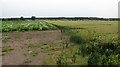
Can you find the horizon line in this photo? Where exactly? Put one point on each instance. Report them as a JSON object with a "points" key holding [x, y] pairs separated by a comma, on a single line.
{"points": [[59, 17]]}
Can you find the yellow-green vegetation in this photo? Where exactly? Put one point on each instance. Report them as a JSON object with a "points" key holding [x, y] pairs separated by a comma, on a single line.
{"points": [[106, 30], [33, 53], [96, 39], [68, 56], [6, 49]]}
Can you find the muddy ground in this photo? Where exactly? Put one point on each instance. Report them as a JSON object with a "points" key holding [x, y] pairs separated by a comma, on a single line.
{"points": [[30, 47]]}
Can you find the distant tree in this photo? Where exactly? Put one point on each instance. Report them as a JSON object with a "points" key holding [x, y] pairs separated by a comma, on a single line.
{"points": [[33, 17], [22, 18], [3, 19]]}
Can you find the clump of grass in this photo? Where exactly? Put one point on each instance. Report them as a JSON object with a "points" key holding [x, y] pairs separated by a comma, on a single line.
{"points": [[61, 60], [6, 49], [5, 38], [45, 46], [74, 58], [33, 53], [76, 39]]}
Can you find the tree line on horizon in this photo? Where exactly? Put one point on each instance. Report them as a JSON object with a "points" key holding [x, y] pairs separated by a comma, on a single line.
{"points": [[61, 18]]}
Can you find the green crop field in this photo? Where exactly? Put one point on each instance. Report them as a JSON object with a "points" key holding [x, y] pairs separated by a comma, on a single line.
{"points": [[92, 42], [105, 30], [10, 26], [96, 39]]}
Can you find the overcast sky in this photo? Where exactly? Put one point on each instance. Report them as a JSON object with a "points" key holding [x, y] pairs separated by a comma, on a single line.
{"points": [[59, 8]]}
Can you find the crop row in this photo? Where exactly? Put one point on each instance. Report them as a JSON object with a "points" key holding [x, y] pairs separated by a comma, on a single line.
{"points": [[25, 26]]}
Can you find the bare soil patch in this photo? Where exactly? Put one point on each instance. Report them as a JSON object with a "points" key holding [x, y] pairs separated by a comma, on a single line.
{"points": [[30, 47]]}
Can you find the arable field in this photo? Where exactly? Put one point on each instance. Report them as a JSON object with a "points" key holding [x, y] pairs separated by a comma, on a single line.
{"points": [[98, 40], [60, 42], [104, 30]]}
